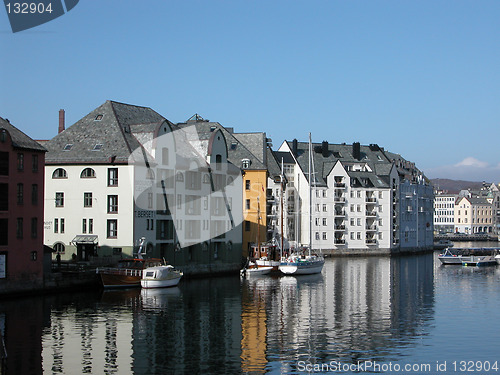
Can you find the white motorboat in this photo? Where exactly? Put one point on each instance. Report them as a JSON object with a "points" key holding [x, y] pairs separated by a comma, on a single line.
{"points": [[160, 277], [448, 257], [256, 271]]}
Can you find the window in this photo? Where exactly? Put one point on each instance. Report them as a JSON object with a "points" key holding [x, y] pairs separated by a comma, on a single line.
{"points": [[20, 162], [179, 177], [247, 184], [97, 147], [4, 197], [112, 204], [247, 226], [324, 235], [245, 163], [87, 199], [87, 173], [59, 199], [34, 165], [247, 204], [84, 226], [164, 156], [316, 235], [19, 227], [62, 225], [218, 162], [20, 193], [324, 208], [91, 225], [112, 228], [4, 163], [34, 255], [324, 221], [59, 247], [358, 235], [59, 173], [112, 176], [352, 235], [56, 225], [34, 194], [67, 147], [99, 117], [34, 227]]}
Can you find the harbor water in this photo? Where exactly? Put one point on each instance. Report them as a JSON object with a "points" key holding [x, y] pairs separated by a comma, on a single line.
{"points": [[403, 314]]}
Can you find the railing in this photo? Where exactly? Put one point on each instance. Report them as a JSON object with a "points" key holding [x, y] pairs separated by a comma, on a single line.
{"points": [[370, 200], [371, 227], [339, 185], [371, 213], [339, 199], [339, 241], [339, 227], [371, 242], [340, 213]]}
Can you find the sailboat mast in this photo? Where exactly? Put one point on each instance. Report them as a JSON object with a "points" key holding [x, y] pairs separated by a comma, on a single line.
{"points": [[281, 208], [310, 194]]}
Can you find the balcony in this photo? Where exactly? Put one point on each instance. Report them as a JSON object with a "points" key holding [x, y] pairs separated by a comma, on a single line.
{"points": [[371, 241], [371, 213], [339, 227], [339, 213], [370, 200], [339, 199], [339, 241], [371, 228]]}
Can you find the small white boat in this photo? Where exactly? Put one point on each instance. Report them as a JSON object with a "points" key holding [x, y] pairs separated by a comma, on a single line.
{"points": [[160, 277], [448, 257], [256, 271]]}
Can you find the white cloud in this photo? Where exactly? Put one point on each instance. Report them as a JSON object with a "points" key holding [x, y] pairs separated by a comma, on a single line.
{"points": [[472, 162], [469, 169]]}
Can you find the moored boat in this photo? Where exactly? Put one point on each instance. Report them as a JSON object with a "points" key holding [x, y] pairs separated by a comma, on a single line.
{"points": [[160, 277], [302, 265], [256, 271], [449, 257], [127, 274], [480, 261]]}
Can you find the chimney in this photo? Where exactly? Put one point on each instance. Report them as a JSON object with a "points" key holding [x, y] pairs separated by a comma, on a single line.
{"points": [[295, 146], [356, 151], [61, 121], [324, 149]]}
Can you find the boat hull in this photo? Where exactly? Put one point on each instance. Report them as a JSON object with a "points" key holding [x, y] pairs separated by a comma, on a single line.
{"points": [[274, 264], [120, 281], [301, 268], [258, 271], [480, 261], [150, 284]]}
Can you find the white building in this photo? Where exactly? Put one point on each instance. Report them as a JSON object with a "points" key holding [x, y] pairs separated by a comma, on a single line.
{"points": [[444, 213], [356, 197], [124, 173]]}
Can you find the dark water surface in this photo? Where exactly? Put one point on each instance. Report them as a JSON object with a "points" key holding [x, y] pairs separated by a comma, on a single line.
{"points": [[406, 314]]}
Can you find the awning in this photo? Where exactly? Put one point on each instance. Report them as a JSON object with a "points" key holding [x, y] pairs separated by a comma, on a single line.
{"points": [[85, 240]]}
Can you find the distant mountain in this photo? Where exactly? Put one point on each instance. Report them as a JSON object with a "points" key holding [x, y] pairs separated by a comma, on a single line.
{"points": [[454, 186]]}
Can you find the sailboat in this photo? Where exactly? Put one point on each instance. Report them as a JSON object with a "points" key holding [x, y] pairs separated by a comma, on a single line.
{"points": [[301, 263]]}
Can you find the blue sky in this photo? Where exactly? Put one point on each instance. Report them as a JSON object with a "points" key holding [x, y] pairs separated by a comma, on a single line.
{"points": [[419, 78]]}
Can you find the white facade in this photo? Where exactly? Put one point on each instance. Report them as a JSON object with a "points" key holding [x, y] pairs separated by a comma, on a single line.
{"points": [[444, 208], [83, 204]]}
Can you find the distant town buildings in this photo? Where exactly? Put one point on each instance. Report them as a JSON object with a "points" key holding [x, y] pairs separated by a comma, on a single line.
{"points": [[468, 212], [21, 210]]}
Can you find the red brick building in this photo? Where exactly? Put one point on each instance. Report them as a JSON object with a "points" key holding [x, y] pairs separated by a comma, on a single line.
{"points": [[22, 163]]}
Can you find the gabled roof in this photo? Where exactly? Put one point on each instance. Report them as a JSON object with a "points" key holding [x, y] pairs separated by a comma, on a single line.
{"points": [[19, 139], [324, 160], [237, 150], [112, 125]]}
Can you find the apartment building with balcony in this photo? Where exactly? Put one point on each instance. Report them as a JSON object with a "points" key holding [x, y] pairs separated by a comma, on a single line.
{"points": [[356, 201]]}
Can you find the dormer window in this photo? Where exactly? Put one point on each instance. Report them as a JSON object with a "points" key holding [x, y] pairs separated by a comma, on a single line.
{"points": [[233, 146], [212, 128], [68, 147], [245, 163], [97, 147], [99, 117]]}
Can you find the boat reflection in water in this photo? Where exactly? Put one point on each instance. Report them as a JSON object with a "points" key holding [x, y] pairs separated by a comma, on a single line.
{"points": [[357, 309]]}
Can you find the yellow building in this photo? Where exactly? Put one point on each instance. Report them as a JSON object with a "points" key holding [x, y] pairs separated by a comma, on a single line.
{"points": [[254, 208]]}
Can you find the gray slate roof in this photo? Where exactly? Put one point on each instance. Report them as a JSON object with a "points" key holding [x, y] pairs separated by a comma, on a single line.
{"points": [[371, 155], [19, 139], [114, 131], [237, 149]]}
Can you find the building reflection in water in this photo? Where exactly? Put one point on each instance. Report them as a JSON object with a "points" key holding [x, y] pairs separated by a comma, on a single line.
{"points": [[357, 309]]}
